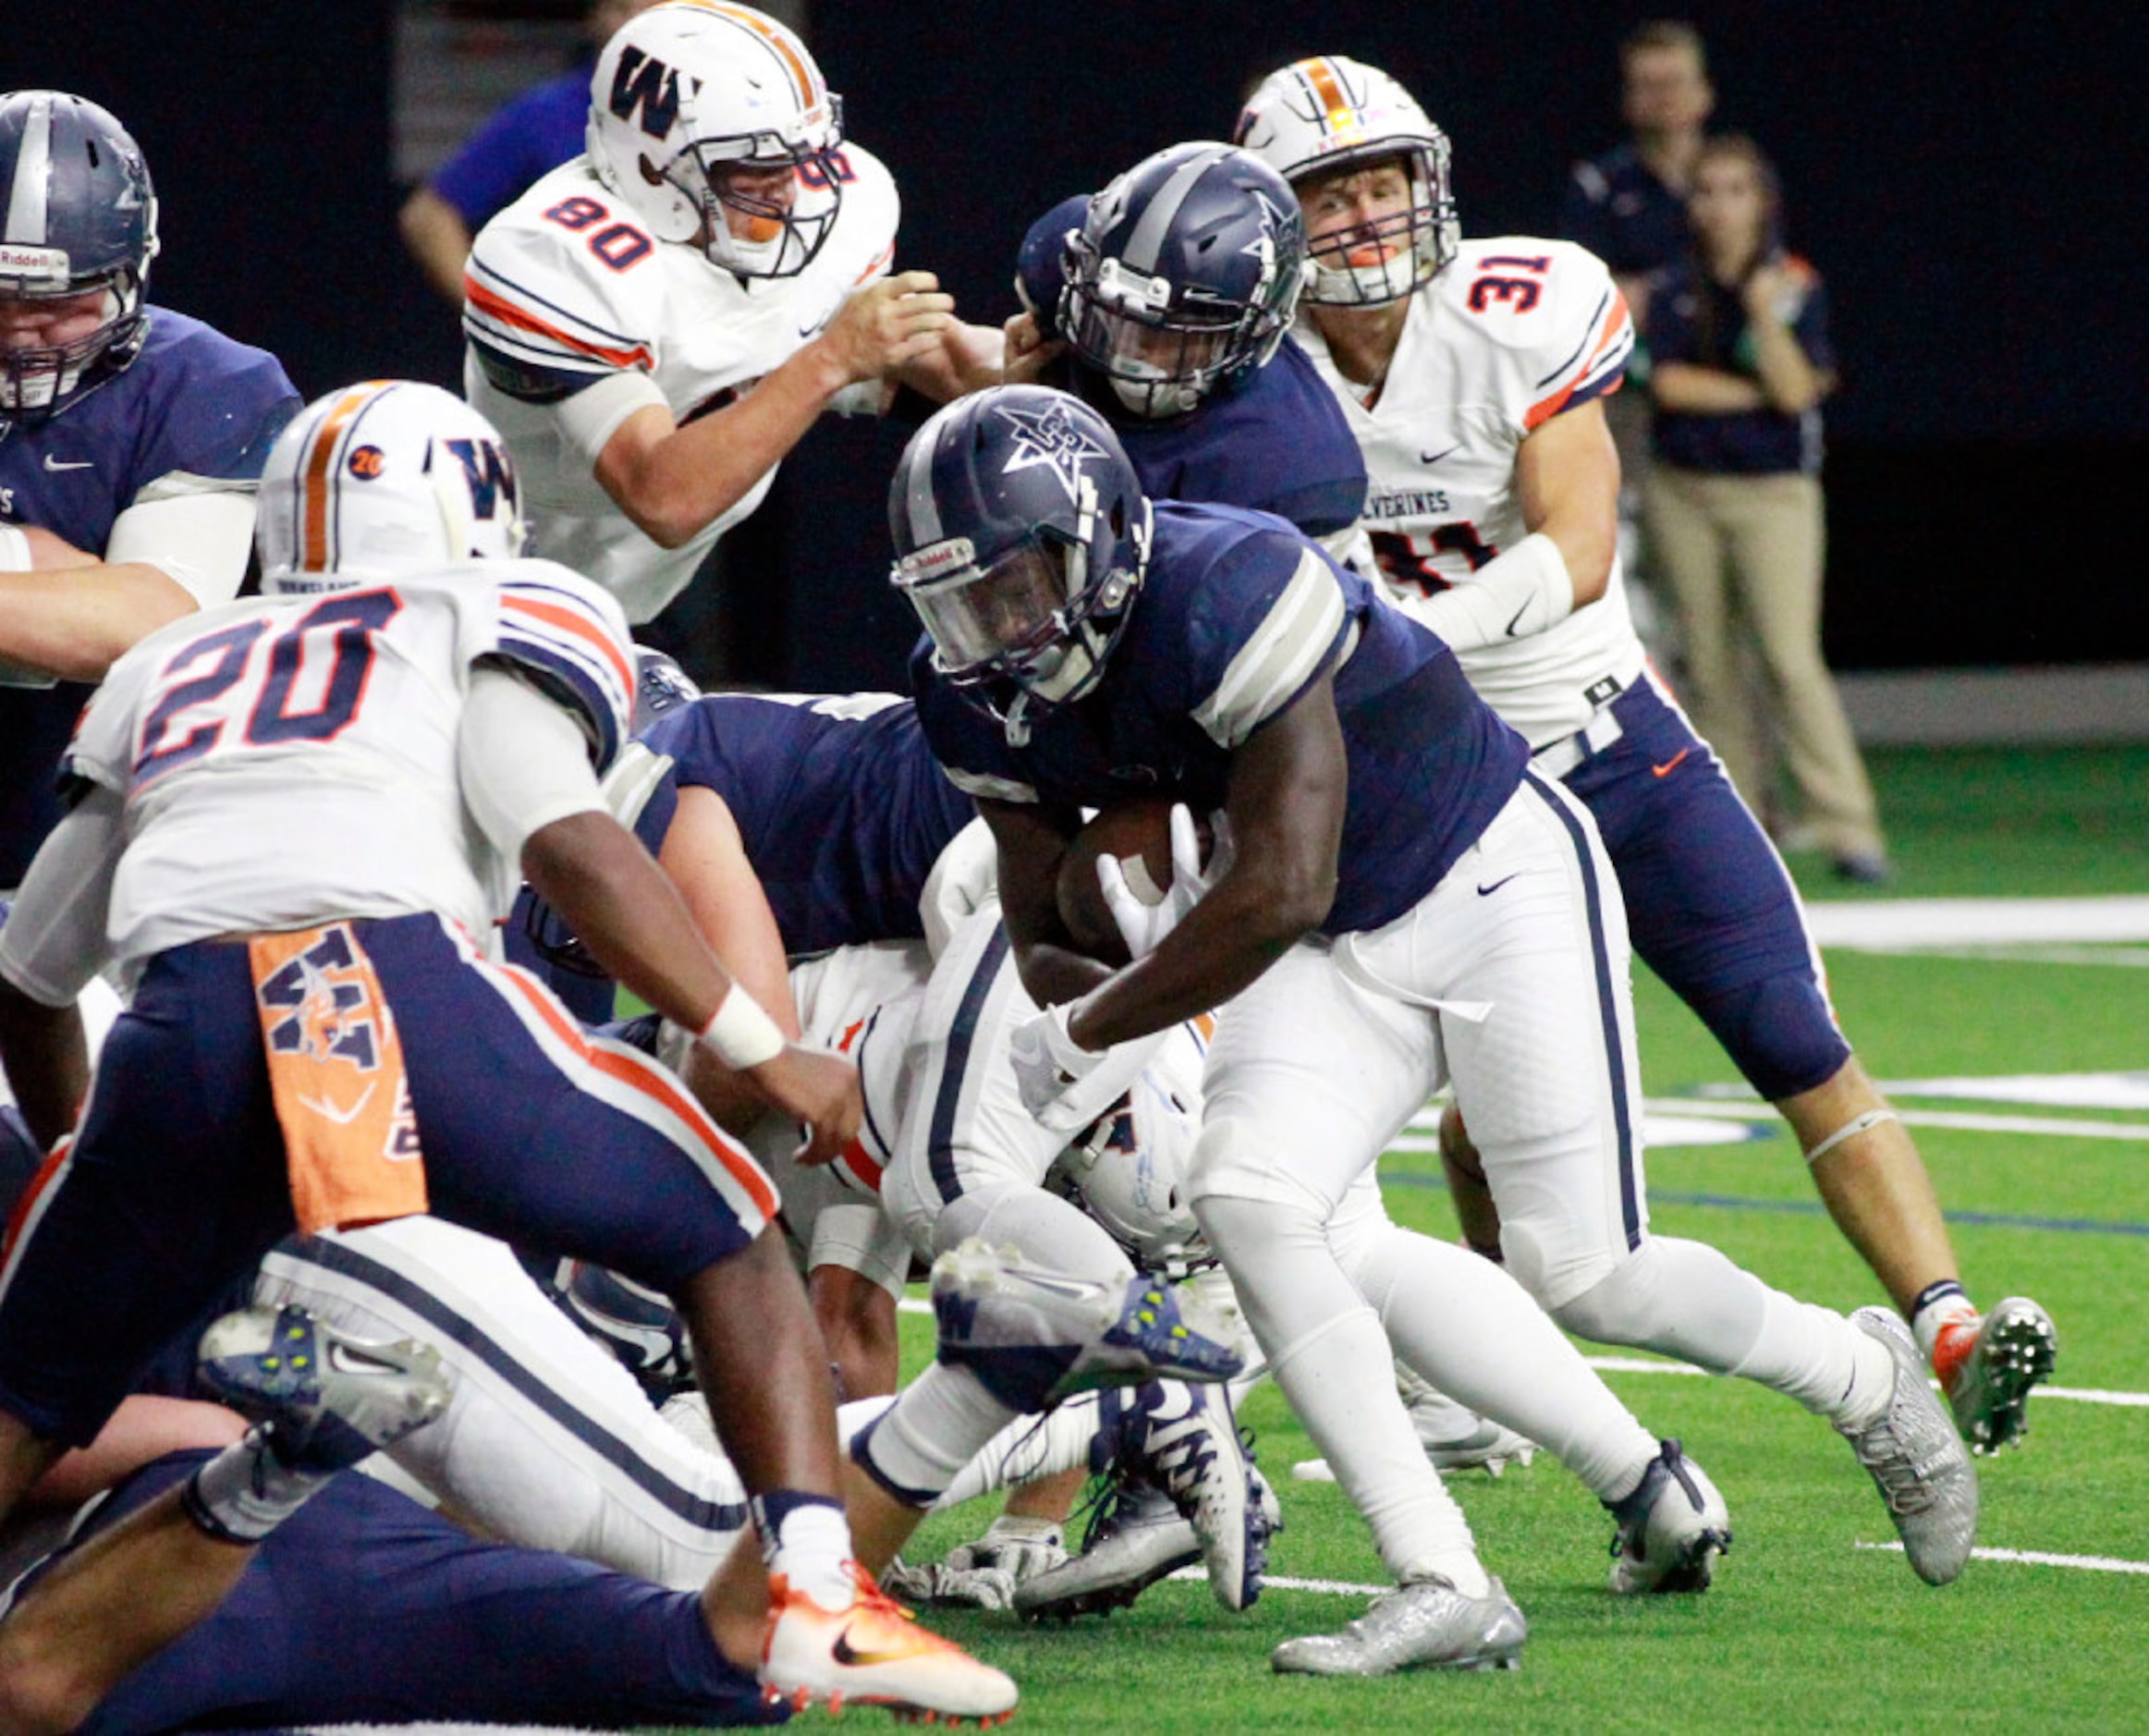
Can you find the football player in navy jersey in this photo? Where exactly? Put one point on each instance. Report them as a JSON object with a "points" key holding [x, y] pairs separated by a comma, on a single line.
{"points": [[130, 439], [1407, 901], [1164, 302]]}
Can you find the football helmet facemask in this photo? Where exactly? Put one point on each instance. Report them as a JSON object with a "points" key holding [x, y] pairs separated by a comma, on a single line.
{"points": [[379, 480], [1316, 118], [1184, 277], [78, 215], [1129, 1170], [1022, 535], [703, 113]]}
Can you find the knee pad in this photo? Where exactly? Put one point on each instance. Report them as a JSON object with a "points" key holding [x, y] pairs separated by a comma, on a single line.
{"points": [[1622, 1307], [1048, 1231], [1779, 1031]]}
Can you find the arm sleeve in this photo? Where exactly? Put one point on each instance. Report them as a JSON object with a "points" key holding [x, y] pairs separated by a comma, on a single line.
{"points": [[1274, 651], [522, 760], [1582, 351], [54, 941], [198, 539], [568, 640]]}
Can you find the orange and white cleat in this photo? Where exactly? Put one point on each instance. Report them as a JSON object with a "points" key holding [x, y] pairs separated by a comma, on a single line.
{"points": [[873, 1654]]}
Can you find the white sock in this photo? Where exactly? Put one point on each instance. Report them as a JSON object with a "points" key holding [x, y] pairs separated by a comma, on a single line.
{"points": [[1027, 1448], [807, 1540], [938, 1423], [1461, 1323], [1328, 1353]]}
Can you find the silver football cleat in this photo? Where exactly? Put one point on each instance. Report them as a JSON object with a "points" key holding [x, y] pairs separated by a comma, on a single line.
{"points": [[1918, 1459], [1425, 1625]]}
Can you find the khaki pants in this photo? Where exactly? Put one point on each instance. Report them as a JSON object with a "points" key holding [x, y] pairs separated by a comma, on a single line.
{"points": [[1742, 557]]}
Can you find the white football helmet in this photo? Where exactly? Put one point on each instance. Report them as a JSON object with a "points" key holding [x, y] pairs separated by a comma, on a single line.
{"points": [[380, 480], [688, 93], [1317, 116], [1130, 1172]]}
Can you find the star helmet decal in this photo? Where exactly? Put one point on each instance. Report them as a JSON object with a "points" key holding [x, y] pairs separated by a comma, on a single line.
{"points": [[1051, 438]]}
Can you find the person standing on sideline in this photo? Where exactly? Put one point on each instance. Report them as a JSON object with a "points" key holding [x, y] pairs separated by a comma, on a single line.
{"points": [[1740, 330]]}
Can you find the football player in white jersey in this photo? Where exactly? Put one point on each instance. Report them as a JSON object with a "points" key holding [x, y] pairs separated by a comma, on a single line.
{"points": [[1473, 373], [654, 324], [295, 815]]}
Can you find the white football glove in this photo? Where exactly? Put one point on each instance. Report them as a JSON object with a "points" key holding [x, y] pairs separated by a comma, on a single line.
{"points": [[1143, 925], [1063, 1085]]}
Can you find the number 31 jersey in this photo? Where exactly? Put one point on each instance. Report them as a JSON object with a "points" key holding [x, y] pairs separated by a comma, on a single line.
{"points": [[289, 761], [1515, 331], [566, 286]]}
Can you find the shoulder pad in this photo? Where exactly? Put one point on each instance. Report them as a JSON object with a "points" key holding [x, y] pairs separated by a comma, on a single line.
{"points": [[566, 279]]}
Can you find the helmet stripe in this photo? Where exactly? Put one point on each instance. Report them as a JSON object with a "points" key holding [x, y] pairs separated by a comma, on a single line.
{"points": [[1328, 90], [1147, 241], [27, 196], [918, 501], [317, 476], [805, 79]]}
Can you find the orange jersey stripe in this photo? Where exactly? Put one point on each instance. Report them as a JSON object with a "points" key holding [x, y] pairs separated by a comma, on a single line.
{"points": [[314, 472], [1614, 323], [507, 314], [567, 620], [650, 1079]]}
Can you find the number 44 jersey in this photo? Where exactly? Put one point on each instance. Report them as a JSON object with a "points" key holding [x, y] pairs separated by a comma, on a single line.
{"points": [[1514, 332], [288, 761]]}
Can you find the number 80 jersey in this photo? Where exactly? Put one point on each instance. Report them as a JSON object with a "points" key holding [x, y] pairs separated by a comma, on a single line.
{"points": [[289, 761], [1513, 332]]}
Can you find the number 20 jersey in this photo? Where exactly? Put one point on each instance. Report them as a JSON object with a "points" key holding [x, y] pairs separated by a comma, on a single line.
{"points": [[566, 286], [289, 761], [1512, 333]]}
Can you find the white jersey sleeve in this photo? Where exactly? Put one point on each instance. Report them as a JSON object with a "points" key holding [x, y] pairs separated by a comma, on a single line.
{"points": [[570, 640], [1516, 331]]}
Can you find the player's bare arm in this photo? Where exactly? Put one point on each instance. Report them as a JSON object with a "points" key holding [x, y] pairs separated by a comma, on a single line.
{"points": [[71, 615], [595, 872], [968, 359], [1566, 474], [1033, 841], [1285, 808], [672, 481]]}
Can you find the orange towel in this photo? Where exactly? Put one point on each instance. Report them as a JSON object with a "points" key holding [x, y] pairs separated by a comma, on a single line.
{"points": [[335, 1071]]}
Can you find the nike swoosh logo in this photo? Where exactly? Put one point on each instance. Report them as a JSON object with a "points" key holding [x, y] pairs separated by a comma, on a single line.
{"points": [[1434, 457], [1672, 764], [51, 463], [1518, 622], [843, 1654], [1486, 892], [342, 1118]]}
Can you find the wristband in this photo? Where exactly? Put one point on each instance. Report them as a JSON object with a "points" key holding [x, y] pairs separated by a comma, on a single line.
{"points": [[739, 1033], [15, 555]]}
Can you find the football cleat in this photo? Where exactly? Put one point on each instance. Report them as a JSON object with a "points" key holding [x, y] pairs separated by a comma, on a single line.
{"points": [[1033, 1337], [1988, 1367], [1670, 1529], [943, 1585], [871, 1652], [1182, 1488], [1918, 1461], [326, 1398], [1424, 1625]]}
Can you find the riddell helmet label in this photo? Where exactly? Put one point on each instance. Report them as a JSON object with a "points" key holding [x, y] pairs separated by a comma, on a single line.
{"points": [[46, 263]]}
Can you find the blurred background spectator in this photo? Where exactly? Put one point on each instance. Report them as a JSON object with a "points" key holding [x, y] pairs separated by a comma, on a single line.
{"points": [[1741, 360], [535, 133], [1627, 206]]}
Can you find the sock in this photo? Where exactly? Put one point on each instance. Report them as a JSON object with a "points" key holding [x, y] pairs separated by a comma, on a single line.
{"points": [[1027, 1448], [1937, 1306], [247, 1490], [1328, 1353], [807, 1540], [939, 1422]]}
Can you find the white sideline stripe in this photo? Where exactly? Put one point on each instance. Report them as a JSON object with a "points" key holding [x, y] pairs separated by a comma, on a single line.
{"points": [[1271, 1582], [2031, 1558], [1731, 1110], [1912, 925]]}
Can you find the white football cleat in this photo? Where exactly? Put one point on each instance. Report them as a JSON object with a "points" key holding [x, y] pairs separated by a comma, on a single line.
{"points": [[1670, 1529], [871, 1652]]}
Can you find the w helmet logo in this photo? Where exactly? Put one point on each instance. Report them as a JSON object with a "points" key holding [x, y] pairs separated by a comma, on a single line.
{"points": [[490, 475], [647, 91]]}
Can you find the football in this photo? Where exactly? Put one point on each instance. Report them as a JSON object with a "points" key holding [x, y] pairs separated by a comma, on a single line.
{"points": [[1139, 833]]}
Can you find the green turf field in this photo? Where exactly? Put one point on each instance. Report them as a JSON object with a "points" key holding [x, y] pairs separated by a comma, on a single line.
{"points": [[1809, 1627]]}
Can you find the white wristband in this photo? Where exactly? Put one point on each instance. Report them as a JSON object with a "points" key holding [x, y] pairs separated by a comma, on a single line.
{"points": [[14, 550], [1524, 592], [739, 1033]]}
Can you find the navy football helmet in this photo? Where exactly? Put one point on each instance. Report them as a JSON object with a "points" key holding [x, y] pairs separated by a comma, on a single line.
{"points": [[660, 685], [1184, 275], [1022, 535], [76, 215]]}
